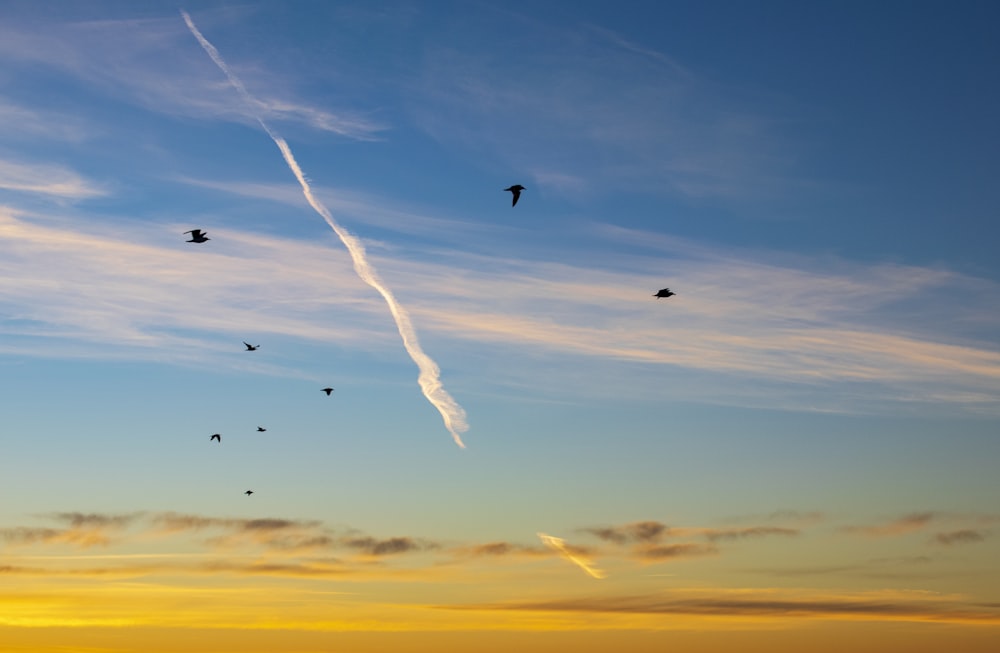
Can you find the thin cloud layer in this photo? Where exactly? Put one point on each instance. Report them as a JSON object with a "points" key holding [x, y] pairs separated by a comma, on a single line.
{"points": [[141, 61], [901, 526], [775, 604], [603, 113], [963, 536], [54, 181], [824, 339]]}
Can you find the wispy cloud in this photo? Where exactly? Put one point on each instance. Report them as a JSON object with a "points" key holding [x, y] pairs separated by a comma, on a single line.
{"points": [[773, 604], [901, 526], [830, 336], [647, 538], [83, 530], [643, 531], [662, 552], [603, 111], [731, 534], [46, 179], [141, 61], [388, 546], [17, 121], [962, 536], [500, 549]]}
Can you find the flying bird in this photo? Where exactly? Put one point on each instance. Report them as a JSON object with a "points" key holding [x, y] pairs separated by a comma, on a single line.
{"points": [[261, 429], [666, 292], [251, 347], [327, 391], [248, 492], [197, 236], [516, 190], [216, 437]]}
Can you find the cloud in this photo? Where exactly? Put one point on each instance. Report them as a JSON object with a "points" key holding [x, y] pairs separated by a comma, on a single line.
{"points": [[275, 535], [963, 536], [83, 530], [780, 605], [576, 555], [46, 179], [642, 531], [142, 61], [390, 546], [499, 549], [646, 532], [18, 121], [661, 552], [730, 534], [901, 526], [95, 520], [601, 111], [829, 337]]}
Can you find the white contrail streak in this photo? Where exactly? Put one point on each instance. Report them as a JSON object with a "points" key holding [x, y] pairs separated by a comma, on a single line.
{"points": [[430, 374], [559, 545]]}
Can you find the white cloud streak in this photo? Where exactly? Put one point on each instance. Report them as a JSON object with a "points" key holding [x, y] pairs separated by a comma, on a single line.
{"points": [[429, 377], [558, 545]]}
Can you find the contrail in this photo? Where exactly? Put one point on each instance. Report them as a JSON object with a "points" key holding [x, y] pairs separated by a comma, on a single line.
{"points": [[558, 544], [430, 374]]}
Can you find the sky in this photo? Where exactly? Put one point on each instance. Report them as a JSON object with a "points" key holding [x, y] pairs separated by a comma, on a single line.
{"points": [[525, 448]]}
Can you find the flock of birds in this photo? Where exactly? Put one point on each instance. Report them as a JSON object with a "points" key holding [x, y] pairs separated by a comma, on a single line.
{"points": [[200, 236]]}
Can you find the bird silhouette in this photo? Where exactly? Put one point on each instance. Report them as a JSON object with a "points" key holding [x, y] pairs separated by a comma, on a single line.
{"points": [[516, 190], [261, 429], [327, 391], [197, 236], [248, 492], [216, 437], [251, 347], [666, 292]]}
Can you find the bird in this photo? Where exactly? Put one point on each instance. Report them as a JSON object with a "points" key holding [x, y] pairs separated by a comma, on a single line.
{"points": [[197, 236], [216, 437], [261, 429], [248, 492], [251, 347], [516, 190], [327, 391], [666, 292]]}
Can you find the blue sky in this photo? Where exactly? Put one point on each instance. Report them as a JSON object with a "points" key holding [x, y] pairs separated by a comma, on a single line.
{"points": [[816, 182]]}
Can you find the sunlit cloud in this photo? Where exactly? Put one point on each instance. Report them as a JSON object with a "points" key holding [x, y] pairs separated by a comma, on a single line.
{"points": [[774, 604], [907, 568], [572, 554], [500, 550], [822, 338], [82, 530]]}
